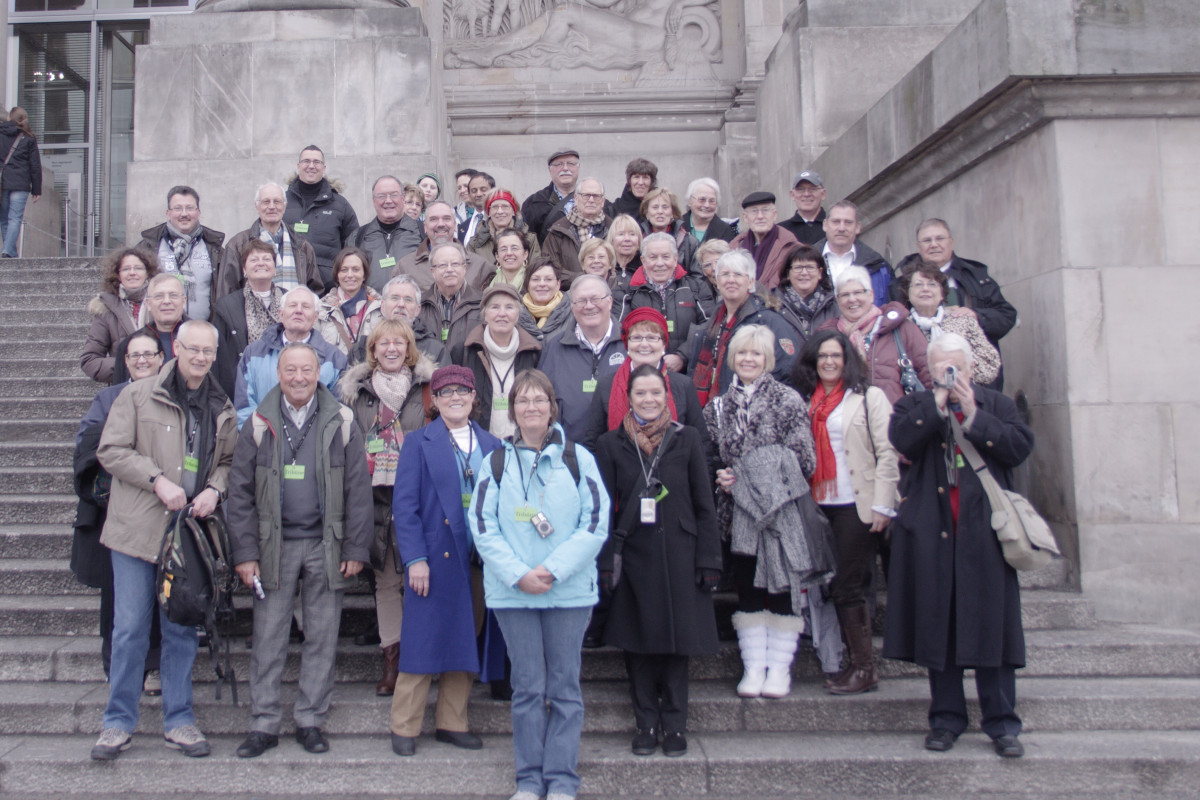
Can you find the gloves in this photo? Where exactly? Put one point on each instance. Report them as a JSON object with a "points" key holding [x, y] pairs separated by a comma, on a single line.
{"points": [[707, 579]]}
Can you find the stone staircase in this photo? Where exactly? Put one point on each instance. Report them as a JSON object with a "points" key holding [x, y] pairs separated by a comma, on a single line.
{"points": [[1111, 711]]}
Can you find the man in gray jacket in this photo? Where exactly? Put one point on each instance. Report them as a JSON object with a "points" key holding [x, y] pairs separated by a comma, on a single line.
{"points": [[299, 510]]}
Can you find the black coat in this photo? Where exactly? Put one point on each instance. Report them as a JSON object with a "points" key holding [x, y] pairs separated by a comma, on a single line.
{"points": [[806, 232], [687, 405], [717, 229], [471, 354], [23, 172], [330, 219], [657, 606], [938, 573]]}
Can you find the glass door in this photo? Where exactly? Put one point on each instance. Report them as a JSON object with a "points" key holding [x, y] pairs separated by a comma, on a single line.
{"points": [[115, 118]]}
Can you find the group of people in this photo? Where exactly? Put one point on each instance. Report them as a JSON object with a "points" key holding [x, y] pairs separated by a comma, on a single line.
{"points": [[545, 425]]}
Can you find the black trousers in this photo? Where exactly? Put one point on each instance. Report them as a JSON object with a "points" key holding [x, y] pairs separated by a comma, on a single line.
{"points": [[854, 546], [752, 598], [997, 688], [658, 686]]}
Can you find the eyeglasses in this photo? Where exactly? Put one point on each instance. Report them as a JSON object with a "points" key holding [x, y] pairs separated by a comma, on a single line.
{"points": [[158, 298], [387, 195], [148, 355], [537, 402], [589, 196], [453, 391], [806, 268], [928, 240], [643, 339], [853, 295], [584, 302], [207, 352], [565, 163], [759, 212], [129, 269], [184, 209], [311, 162], [924, 285]]}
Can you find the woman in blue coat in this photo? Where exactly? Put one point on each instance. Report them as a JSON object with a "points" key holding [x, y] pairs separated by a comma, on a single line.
{"points": [[439, 463]]}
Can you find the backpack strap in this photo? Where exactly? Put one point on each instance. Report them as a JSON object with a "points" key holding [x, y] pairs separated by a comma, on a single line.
{"points": [[498, 464], [571, 460]]}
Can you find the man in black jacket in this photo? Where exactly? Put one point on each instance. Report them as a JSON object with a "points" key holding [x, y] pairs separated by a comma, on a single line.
{"points": [[841, 249], [317, 212], [808, 193], [564, 172]]}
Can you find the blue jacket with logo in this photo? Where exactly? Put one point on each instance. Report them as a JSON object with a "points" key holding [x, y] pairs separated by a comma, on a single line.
{"points": [[257, 373]]}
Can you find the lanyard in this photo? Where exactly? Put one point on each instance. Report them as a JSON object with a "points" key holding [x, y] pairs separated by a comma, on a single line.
{"points": [[295, 448], [648, 472], [464, 459], [527, 485], [507, 375]]}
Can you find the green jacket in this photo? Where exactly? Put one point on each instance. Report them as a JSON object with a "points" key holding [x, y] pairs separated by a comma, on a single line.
{"points": [[343, 485]]}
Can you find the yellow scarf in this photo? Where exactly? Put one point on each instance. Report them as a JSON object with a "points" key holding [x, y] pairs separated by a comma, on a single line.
{"points": [[542, 313]]}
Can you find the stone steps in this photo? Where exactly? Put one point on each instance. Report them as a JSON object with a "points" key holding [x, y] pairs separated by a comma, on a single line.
{"points": [[36, 541], [49, 348], [32, 508], [38, 430], [822, 765], [36, 480], [76, 385], [37, 454], [899, 705], [24, 315], [1111, 651], [30, 408], [63, 367]]}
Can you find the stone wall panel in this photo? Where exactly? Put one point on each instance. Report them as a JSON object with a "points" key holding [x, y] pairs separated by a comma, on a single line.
{"points": [[1125, 463], [293, 92], [224, 107]]}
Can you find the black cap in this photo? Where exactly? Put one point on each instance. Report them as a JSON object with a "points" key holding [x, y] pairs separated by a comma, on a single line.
{"points": [[758, 199], [557, 154]]}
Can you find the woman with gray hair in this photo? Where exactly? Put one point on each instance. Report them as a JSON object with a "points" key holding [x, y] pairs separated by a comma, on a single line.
{"points": [[662, 284], [888, 341], [764, 456], [710, 368], [701, 220]]}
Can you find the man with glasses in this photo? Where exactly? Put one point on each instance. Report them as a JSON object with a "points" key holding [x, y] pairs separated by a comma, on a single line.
{"points": [[165, 303], [188, 249], [808, 193], [972, 290], [318, 212], [168, 444], [401, 299], [295, 259], [439, 230], [256, 370], [450, 308], [586, 220], [767, 242], [389, 237], [841, 249], [564, 172], [578, 357]]}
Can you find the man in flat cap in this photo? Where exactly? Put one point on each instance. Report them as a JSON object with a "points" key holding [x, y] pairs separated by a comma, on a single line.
{"points": [[564, 172], [767, 242]]}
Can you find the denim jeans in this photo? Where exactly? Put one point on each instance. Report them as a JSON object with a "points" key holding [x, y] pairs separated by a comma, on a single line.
{"points": [[12, 209], [134, 602], [545, 648]]}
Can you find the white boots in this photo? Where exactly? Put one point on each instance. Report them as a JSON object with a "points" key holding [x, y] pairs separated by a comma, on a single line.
{"points": [[768, 643]]}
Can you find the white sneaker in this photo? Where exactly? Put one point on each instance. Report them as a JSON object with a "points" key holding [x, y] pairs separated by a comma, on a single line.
{"points": [[152, 684], [524, 795], [112, 742], [560, 796], [188, 739]]}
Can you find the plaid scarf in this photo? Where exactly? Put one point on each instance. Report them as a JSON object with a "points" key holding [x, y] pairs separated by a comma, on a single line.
{"points": [[285, 260], [711, 355]]}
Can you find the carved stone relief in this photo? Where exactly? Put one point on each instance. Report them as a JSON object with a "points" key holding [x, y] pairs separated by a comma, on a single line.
{"points": [[667, 41]]}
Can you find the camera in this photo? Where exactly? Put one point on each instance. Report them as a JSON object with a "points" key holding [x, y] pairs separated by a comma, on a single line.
{"points": [[542, 525], [949, 377]]}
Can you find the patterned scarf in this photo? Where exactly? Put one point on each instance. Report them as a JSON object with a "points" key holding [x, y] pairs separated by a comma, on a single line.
{"points": [[824, 480], [258, 317], [391, 389], [285, 260], [541, 313], [860, 332], [761, 250], [353, 308], [930, 326], [647, 436], [132, 300], [618, 399], [178, 253], [584, 226], [712, 353]]}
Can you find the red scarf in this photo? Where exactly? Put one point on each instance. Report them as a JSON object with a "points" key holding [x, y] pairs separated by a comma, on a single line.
{"points": [[618, 399], [824, 480]]}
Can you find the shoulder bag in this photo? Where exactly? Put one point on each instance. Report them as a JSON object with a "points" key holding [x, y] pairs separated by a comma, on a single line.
{"points": [[909, 380]]}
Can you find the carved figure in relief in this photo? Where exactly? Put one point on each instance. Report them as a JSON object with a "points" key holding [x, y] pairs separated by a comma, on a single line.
{"points": [[666, 39]]}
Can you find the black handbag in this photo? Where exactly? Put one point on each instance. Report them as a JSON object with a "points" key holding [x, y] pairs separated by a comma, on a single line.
{"points": [[910, 382]]}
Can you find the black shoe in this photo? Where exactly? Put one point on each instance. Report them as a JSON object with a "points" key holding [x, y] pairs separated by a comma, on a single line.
{"points": [[645, 742], [463, 739], [501, 690], [674, 744], [1008, 747], [312, 740], [404, 745], [367, 638], [256, 744], [940, 740]]}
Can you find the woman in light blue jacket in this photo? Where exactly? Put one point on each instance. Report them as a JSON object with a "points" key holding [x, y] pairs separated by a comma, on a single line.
{"points": [[539, 517]]}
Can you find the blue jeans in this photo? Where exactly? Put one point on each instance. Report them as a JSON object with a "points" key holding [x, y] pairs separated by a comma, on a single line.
{"points": [[133, 603], [12, 209], [545, 648]]}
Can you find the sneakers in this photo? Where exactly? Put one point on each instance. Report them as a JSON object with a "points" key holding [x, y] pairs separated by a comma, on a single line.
{"points": [[152, 684], [187, 739], [112, 742]]}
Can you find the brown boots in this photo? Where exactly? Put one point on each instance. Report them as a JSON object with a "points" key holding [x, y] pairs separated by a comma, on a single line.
{"points": [[391, 667], [859, 676]]}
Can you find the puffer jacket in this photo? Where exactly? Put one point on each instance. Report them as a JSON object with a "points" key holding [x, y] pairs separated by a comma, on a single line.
{"points": [[231, 278], [256, 371], [111, 322], [331, 322], [143, 438], [253, 511], [687, 297], [883, 357], [686, 245], [579, 513]]}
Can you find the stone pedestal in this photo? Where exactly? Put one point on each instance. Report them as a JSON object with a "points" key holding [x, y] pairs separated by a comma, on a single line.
{"points": [[226, 101]]}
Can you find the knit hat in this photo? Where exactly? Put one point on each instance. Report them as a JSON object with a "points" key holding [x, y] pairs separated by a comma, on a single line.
{"points": [[644, 314], [452, 375], [501, 195], [435, 180], [500, 288]]}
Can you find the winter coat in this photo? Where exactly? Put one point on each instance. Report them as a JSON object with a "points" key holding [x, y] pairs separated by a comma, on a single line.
{"points": [[144, 437], [657, 606], [559, 318], [483, 245], [257, 374], [152, 237], [232, 278], [416, 264], [983, 296], [328, 223], [574, 369], [229, 318], [875, 265], [687, 296], [111, 322], [717, 229], [940, 571], [90, 560], [687, 405], [23, 172], [438, 630], [475, 357], [463, 319], [685, 246], [120, 373], [331, 322], [803, 321], [768, 278], [806, 232], [752, 312], [578, 511], [869, 456], [628, 203], [561, 245], [883, 357], [253, 511], [393, 246], [536, 208]]}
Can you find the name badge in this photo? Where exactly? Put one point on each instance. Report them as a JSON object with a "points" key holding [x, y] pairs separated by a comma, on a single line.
{"points": [[589, 386], [499, 404], [300, 227], [293, 472], [375, 445], [387, 263], [191, 464], [649, 511], [445, 333], [524, 514], [670, 326], [959, 462], [466, 498]]}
